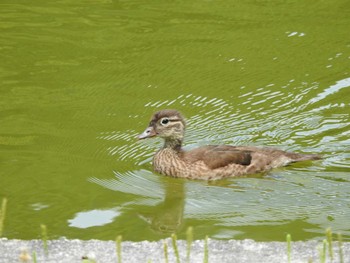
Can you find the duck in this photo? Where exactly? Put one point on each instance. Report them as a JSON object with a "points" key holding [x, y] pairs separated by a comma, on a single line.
{"points": [[210, 162]]}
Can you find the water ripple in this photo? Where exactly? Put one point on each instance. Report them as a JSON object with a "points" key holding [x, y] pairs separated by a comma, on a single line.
{"points": [[222, 121], [333, 89], [235, 202]]}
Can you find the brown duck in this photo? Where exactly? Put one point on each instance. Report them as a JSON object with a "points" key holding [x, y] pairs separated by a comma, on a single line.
{"points": [[210, 162]]}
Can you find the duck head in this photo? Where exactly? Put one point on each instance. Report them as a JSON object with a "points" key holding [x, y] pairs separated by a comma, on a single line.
{"points": [[167, 124]]}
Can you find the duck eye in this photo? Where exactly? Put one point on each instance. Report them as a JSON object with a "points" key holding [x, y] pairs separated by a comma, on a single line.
{"points": [[164, 121]]}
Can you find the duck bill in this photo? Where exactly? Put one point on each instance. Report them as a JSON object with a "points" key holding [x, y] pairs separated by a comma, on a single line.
{"points": [[148, 133]]}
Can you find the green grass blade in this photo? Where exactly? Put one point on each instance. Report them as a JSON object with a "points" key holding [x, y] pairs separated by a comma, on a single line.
{"points": [[189, 235], [2, 215], [34, 257], [206, 253], [289, 248], [323, 251], [118, 242], [325, 243], [330, 243], [166, 252], [176, 250], [44, 237]]}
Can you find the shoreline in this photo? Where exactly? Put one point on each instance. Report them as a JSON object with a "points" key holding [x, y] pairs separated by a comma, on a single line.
{"points": [[74, 250]]}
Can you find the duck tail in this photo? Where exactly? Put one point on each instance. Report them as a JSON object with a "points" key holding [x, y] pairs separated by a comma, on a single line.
{"points": [[306, 157]]}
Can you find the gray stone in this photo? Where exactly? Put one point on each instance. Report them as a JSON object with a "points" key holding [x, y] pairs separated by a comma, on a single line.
{"points": [[71, 251]]}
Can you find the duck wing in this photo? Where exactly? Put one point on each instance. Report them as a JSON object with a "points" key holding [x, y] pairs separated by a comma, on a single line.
{"points": [[217, 156]]}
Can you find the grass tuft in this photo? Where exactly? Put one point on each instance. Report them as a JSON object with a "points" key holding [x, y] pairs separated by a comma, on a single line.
{"points": [[322, 248], [189, 237], [118, 242], [330, 243], [323, 251], [206, 251], [289, 248], [44, 237], [34, 257], [166, 251], [2, 214], [176, 250]]}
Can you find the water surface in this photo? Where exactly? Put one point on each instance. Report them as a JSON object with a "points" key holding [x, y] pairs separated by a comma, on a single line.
{"points": [[80, 79]]}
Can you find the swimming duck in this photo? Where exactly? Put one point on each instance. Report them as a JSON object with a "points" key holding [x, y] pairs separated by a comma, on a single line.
{"points": [[209, 162]]}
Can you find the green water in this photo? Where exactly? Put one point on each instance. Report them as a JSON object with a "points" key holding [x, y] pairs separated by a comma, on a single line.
{"points": [[80, 79]]}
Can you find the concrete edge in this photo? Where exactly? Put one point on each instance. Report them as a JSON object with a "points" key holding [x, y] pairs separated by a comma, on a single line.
{"points": [[74, 250]]}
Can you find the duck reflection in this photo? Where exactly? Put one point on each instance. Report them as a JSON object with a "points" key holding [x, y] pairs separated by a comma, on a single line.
{"points": [[167, 216], [160, 200]]}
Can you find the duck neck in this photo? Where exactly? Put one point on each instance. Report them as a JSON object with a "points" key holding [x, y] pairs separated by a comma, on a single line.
{"points": [[174, 144]]}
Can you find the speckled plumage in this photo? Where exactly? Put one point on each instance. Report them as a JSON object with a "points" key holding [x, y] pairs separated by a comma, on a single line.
{"points": [[210, 162]]}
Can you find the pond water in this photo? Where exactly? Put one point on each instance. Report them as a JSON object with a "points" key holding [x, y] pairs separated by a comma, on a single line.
{"points": [[80, 79]]}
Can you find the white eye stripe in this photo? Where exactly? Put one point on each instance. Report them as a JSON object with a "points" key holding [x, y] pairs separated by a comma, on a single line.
{"points": [[165, 120]]}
